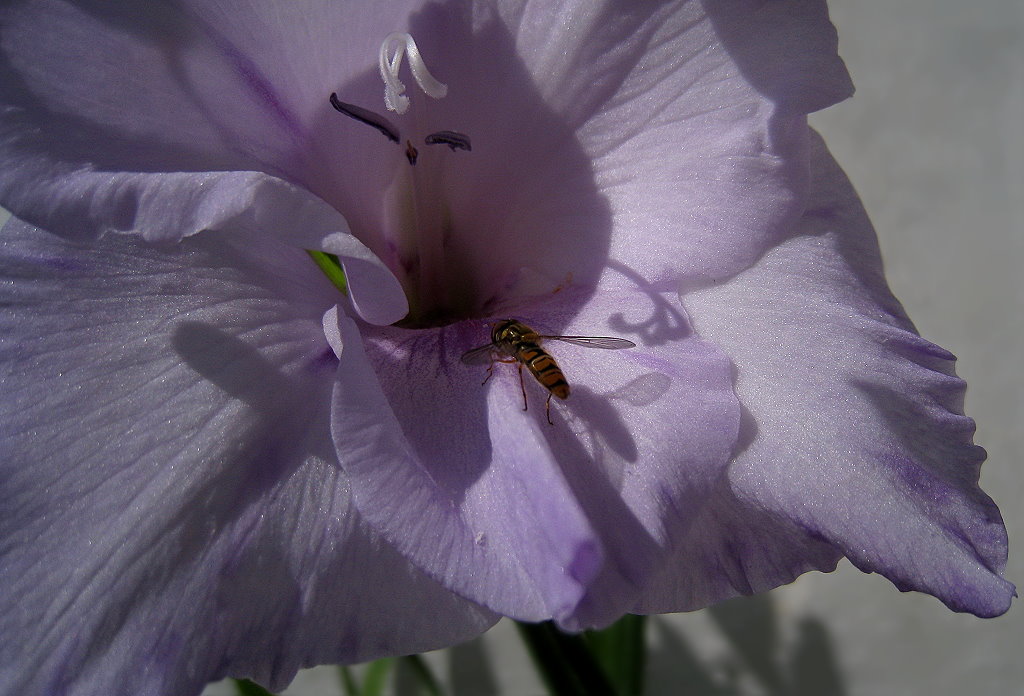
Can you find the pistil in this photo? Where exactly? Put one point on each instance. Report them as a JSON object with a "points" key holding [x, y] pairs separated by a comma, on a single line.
{"points": [[395, 46]]}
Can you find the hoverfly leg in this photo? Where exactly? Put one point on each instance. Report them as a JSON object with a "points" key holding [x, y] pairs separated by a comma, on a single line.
{"points": [[547, 408], [490, 368], [522, 386]]}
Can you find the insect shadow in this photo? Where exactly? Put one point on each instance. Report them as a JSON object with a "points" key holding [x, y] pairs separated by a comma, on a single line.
{"points": [[664, 324]]}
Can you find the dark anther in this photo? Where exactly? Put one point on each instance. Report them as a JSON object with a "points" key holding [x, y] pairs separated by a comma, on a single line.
{"points": [[456, 141], [411, 153], [368, 117]]}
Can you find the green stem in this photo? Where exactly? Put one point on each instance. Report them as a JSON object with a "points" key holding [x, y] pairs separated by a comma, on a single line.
{"points": [[423, 673], [621, 650], [245, 687], [376, 676], [331, 267], [564, 661], [348, 682]]}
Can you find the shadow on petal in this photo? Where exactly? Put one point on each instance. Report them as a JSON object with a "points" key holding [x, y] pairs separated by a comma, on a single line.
{"points": [[521, 209], [439, 401], [666, 323], [787, 51], [642, 391], [263, 456]]}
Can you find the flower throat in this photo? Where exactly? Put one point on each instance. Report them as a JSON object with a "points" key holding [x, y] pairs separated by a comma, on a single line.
{"points": [[417, 242]]}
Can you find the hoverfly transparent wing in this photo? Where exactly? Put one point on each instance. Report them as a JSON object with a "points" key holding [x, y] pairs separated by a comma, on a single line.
{"points": [[594, 341], [480, 355]]}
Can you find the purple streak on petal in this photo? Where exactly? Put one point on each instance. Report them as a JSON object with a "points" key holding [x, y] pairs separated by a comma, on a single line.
{"points": [[921, 480], [52, 263], [325, 362], [258, 82], [587, 563], [937, 495], [917, 348]]}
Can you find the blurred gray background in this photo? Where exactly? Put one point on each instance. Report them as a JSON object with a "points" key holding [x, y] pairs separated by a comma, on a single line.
{"points": [[934, 143]]}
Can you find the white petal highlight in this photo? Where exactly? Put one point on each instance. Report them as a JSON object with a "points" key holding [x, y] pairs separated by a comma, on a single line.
{"points": [[332, 332]]}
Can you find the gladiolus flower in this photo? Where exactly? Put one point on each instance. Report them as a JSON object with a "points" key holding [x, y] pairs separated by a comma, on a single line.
{"points": [[216, 463]]}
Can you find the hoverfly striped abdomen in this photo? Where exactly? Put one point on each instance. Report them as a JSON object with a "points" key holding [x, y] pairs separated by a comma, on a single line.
{"points": [[514, 341], [544, 368]]}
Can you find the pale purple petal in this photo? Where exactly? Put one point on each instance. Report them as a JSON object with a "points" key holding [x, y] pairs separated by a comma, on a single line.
{"points": [[624, 131], [159, 124], [113, 90], [173, 507], [532, 519], [856, 436], [186, 86], [220, 468], [168, 207], [507, 534], [701, 150], [565, 104]]}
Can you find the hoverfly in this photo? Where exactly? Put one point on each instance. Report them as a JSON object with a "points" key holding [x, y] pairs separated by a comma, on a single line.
{"points": [[512, 341]]}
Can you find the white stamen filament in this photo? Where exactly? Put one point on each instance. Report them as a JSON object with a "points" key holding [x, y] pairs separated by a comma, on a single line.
{"points": [[394, 47]]}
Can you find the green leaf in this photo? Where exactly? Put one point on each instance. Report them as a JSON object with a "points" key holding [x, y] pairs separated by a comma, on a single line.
{"points": [[244, 687], [377, 676], [419, 667], [565, 662], [621, 651], [348, 681]]}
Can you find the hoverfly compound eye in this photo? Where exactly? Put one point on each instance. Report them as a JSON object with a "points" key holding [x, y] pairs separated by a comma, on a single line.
{"points": [[453, 139]]}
